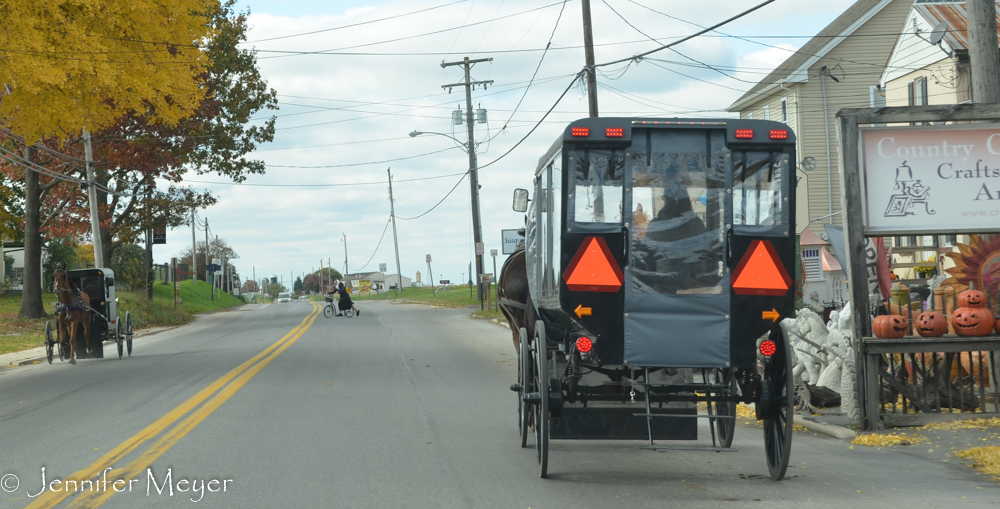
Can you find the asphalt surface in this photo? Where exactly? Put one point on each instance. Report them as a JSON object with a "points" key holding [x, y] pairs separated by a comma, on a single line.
{"points": [[404, 406]]}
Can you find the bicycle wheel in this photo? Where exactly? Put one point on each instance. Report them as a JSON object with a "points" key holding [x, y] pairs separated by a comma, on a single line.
{"points": [[348, 313], [328, 311]]}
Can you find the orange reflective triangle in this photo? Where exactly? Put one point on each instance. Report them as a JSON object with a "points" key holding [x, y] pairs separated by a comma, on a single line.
{"points": [[760, 272], [593, 269]]}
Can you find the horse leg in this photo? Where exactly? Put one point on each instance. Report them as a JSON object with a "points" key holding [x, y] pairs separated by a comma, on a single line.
{"points": [[72, 341], [86, 332]]}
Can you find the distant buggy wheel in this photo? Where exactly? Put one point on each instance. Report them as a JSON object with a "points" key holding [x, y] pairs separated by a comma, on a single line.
{"points": [[119, 338], [128, 332], [778, 420], [49, 342]]}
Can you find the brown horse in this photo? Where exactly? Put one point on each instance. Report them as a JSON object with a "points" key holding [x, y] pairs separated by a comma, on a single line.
{"points": [[72, 310], [513, 296]]}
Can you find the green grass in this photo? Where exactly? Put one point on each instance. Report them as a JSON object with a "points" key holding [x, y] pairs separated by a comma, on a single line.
{"points": [[18, 334], [458, 296]]}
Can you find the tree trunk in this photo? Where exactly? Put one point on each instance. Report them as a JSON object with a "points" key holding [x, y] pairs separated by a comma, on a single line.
{"points": [[31, 295], [107, 246]]}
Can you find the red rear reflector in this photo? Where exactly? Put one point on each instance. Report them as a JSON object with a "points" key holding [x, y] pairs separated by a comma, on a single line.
{"points": [[761, 272], [614, 132], [744, 134], [779, 134], [580, 131], [584, 344], [768, 348]]}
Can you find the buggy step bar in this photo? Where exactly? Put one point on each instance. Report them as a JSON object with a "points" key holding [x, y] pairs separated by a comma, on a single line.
{"points": [[684, 448], [691, 416]]}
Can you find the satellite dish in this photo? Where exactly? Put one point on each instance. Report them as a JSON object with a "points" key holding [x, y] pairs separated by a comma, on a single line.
{"points": [[937, 33], [809, 163]]}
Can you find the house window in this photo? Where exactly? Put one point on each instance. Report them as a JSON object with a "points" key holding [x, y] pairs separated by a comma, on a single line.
{"points": [[784, 110], [767, 113], [920, 95], [750, 115]]}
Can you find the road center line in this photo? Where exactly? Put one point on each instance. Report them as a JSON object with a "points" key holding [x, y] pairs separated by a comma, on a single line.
{"points": [[52, 498]]}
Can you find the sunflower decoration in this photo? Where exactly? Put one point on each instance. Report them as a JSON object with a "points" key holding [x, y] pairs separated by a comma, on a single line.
{"points": [[976, 264]]}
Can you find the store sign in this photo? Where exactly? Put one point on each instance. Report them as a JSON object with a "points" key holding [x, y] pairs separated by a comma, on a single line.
{"points": [[510, 239], [940, 179]]}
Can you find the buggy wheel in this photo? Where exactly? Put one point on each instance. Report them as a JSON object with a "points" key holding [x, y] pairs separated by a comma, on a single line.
{"points": [[542, 409], [524, 377], [119, 338], [128, 332], [328, 311], [49, 342], [780, 409], [725, 427], [349, 312]]}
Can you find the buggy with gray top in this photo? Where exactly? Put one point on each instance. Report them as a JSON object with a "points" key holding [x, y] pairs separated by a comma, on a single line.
{"points": [[659, 259], [105, 324]]}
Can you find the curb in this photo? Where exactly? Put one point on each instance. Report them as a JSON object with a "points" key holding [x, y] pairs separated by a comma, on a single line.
{"points": [[827, 429]]}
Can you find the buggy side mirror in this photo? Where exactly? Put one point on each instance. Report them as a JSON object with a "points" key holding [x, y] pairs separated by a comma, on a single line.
{"points": [[520, 200], [109, 281]]}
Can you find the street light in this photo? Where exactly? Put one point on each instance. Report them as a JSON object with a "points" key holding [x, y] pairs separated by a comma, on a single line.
{"points": [[477, 233]]}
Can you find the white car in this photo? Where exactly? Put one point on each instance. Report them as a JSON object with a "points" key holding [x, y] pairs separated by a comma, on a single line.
{"points": [[284, 297]]}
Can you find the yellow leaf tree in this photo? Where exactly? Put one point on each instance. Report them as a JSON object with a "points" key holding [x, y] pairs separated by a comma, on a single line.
{"points": [[66, 65]]}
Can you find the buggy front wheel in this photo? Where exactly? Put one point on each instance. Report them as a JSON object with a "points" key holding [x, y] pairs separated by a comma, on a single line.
{"points": [[779, 406], [726, 410], [49, 342]]}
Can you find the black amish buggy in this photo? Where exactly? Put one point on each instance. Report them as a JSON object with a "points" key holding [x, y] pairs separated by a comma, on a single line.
{"points": [[105, 324], [659, 259]]}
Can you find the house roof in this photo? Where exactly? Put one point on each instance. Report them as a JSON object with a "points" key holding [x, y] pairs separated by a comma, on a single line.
{"points": [[954, 14], [830, 262], [808, 238], [796, 65]]}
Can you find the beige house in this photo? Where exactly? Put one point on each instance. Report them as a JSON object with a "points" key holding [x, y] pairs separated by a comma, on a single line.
{"points": [[838, 68]]}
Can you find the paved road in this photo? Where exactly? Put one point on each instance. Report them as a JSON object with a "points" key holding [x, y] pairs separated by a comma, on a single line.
{"points": [[405, 406]]}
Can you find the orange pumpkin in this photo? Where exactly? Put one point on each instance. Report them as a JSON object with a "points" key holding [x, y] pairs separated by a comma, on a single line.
{"points": [[931, 324], [972, 299], [889, 326], [973, 321]]}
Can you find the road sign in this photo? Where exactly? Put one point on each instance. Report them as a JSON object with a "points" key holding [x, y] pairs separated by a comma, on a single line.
{"points": [[486, 278], [510, 240], [444, 282], [480, 249], [214, 268], [493, 253], [381, 267], [428, 258], [160, 236]]}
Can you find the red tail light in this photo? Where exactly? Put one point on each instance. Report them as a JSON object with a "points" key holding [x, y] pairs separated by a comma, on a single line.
{"points": [[744, 134], [768, 348], [580, 131], [584, 344], [614, 132], [779, 134]]}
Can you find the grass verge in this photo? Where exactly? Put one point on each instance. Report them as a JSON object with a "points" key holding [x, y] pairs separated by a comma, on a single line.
{"points": [[18, 334]]}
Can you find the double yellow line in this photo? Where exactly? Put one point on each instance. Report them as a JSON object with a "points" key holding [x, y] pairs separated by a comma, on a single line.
{"points": [[228, 383]]}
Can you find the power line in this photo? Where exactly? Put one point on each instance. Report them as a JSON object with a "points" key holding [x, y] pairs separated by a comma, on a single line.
{"points": [[326, 185], [436, 204], [376, 247], [360, 164]]}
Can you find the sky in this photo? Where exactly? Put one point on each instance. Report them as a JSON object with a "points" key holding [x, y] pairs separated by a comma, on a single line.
{"points": [[345, 115]]}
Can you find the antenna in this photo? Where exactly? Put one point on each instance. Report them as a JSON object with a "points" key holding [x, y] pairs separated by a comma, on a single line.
{"points": [[937, 33]]}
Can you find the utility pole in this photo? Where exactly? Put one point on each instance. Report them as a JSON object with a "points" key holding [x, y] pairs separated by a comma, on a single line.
{"points": [[984, 56], [395, 242], [149, 245], [345, 256], [431, 273], [588, 49], [95, 221], [477, 232], [194, 250], [207, 280]]}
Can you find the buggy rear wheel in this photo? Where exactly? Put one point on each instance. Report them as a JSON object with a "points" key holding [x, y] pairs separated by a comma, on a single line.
{"points": [[49, 342], [119, 338], [542, 408], [524, 380], [726, 409], [777, 389], [128, 332]]}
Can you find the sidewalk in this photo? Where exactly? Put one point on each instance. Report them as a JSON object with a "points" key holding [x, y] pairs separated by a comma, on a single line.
{"points": [[37, 355]]}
